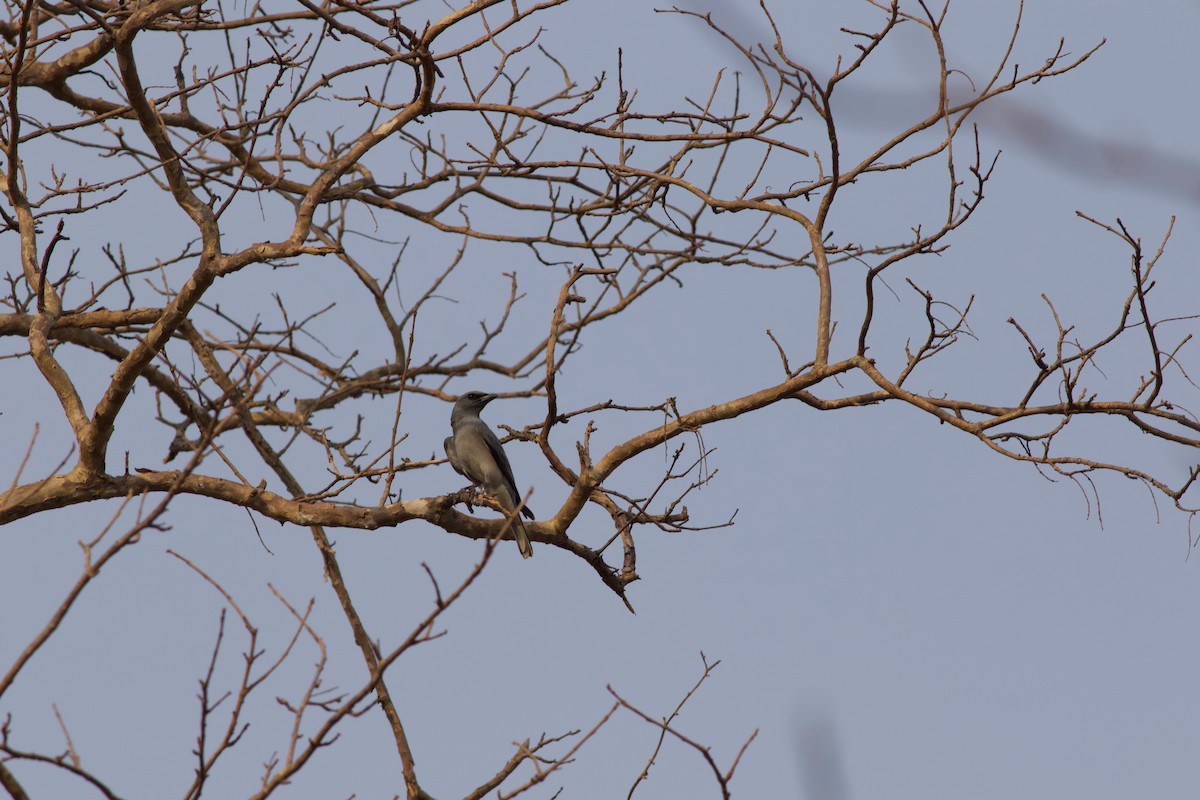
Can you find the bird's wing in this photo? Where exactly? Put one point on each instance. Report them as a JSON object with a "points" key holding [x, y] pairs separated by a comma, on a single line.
{"points": [[506, 468], [481, 458], [474, 456], [497, 451], [452, 454]]}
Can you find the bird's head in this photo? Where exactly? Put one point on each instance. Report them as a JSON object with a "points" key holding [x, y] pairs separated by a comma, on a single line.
{"points": [[471, 403]]}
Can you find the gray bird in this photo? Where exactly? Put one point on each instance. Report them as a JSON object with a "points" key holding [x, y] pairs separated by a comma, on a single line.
{"points": [[476, 454]]}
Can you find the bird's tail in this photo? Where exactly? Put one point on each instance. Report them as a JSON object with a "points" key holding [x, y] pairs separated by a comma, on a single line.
{"points": [[522, 536], [510, 500]]}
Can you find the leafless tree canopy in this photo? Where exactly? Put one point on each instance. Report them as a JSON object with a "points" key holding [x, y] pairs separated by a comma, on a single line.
{"points": [[182, 178]]}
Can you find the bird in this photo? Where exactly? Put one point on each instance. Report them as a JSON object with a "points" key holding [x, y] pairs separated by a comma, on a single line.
{"points": [[476, 454]]}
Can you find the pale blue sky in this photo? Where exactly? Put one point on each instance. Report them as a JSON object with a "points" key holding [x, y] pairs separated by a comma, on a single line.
{"points": [[956, 623]]}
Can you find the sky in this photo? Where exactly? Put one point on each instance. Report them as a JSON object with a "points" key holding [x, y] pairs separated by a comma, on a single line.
{"points": [[897, 612]]}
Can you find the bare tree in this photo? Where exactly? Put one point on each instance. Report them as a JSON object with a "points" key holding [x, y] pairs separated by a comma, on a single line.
{"points": [[177, 174]]}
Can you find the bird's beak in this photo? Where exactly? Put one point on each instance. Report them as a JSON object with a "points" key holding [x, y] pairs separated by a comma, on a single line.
{"points": [[487, 398]]}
